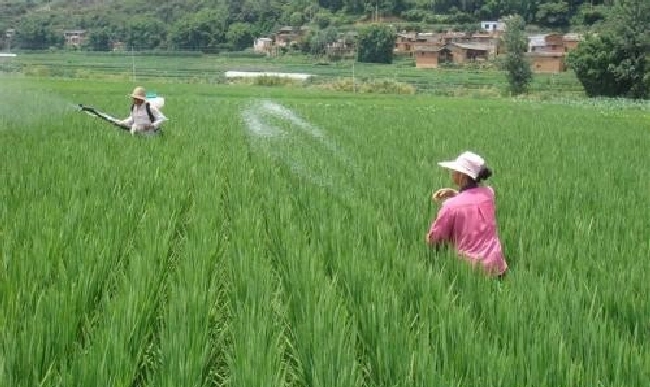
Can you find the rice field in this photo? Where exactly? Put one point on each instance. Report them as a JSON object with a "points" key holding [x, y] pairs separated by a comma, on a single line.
{"points": [[275, 237], [210, 69]]}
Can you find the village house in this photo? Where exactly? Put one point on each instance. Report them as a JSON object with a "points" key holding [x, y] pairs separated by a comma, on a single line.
{"points": [[545, 42], [456, 47], [342, 48], [571, 41], [407, 41], [491, 39], [470, 52], [263, 45], [285, 37], [455, 37], [290, 36], [404, 43], [118, 46], [430, 56], [490, 25], [547, 61], [74, 38], [547, 52]]}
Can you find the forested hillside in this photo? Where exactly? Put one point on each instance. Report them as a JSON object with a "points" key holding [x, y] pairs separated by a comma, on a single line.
{"points": [[233, 24]]}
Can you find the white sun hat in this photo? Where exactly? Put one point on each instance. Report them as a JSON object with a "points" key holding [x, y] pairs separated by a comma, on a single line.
{"points": [[139, 93], [468, 163]]}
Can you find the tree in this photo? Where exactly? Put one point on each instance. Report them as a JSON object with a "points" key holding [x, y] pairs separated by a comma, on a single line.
{"points": [[591, 63], [320, 39], [376, 43], [629, 21], [37, 33], [239, 35], [203, 30], [99, 40], [144, 33], [553, 14], [616, 62], [296, 19], [518, 69]]}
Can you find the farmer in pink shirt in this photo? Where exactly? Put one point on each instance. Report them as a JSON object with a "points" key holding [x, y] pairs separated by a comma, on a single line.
{"points": [[466, 219]]}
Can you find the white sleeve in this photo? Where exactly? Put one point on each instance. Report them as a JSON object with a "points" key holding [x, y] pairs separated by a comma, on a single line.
{"points": [[127, 121]]}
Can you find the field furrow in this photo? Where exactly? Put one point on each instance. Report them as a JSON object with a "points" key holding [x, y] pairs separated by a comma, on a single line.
{"points": [[151, 360], [320, 328], [258, 344], [254, 346], [194, 323]]}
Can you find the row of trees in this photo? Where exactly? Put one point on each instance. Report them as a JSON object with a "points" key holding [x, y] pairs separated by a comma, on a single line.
{"points": [[206, 30]]}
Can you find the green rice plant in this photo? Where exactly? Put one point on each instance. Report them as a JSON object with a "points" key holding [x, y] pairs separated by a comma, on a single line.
{"points": [[55, 257], [121, 342], [259, 349]]}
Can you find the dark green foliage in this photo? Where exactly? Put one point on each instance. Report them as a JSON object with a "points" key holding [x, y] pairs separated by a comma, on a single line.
{"points": [[615, 63], [591, 61], [99, 40], [204, 30], [375, 44], [518, 69], [36, 32], [240, 36]]}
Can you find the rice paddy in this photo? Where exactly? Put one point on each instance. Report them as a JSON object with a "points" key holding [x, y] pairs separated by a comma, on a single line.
{"points": [[275, 237]]}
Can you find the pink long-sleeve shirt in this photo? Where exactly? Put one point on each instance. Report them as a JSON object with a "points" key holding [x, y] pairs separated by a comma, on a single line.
{"points": [[468, 222]]}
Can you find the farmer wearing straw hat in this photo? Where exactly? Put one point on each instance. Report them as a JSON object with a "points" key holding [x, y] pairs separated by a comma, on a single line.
{"points": [[145, 119], [467, 217]]}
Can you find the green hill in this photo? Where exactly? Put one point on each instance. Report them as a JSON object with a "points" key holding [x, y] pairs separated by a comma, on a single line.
{"points": [[212, 25]]}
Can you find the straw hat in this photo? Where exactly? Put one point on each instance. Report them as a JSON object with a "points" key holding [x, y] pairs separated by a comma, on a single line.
{"points": [[139, 93], [468, 163]]}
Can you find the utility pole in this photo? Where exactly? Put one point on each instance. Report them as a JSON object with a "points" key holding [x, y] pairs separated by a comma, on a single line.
{"points": [[10, 33], [133, 63], [376, 11]]}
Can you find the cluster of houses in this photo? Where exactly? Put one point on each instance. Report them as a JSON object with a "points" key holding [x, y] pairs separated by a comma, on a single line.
{"points": [[288, 37], [547, 52]]}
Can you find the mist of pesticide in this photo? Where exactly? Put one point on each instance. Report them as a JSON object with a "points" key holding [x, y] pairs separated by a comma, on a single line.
{"points": [[304, 148], [284, 113], [308, 152], [27, 107]]}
